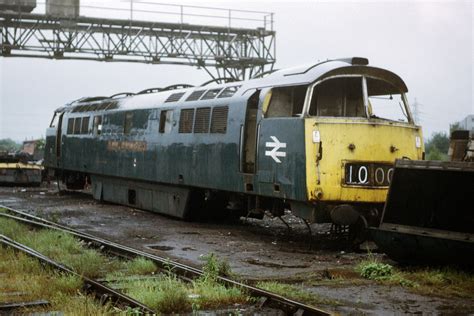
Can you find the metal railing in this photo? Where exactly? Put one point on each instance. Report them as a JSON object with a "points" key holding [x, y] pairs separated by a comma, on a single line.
{"points": [[143, 10]]}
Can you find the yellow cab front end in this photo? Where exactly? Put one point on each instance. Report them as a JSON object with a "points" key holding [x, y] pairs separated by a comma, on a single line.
{"points": [[353, 135]]}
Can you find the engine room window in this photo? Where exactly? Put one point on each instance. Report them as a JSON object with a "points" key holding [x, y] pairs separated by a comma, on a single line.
{"points": [[219, 119], [338, 97], [286, 101], [97, 129], [85, 125], [186, 119], [195, 95], [70, 126], [77, 125], [128, 124], [228, 92], [201, 122], [385, 101], [166, 121], [211, 94]]}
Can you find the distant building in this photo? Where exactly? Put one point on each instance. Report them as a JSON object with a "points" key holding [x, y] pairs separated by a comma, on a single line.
{"points": [[467, 123]]}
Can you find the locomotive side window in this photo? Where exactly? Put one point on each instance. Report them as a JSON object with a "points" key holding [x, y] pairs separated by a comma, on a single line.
{"points": [[338, 97], [211, 94], [97, 128], [128, 124], [385, 101], [77, 125], [228, 92], [219, 119], [85, 125], [70, 126], [195, 95], [201, 122], [186, 119], [286, 101], [166, 121]]}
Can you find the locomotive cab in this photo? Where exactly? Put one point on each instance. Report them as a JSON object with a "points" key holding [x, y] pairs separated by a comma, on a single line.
{"points": [[357, 122]]}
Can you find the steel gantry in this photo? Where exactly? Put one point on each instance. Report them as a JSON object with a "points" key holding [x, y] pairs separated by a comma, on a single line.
{"points": [[223, 51]]}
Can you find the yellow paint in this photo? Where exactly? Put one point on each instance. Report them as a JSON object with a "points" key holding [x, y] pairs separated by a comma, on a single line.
{"points": [[372, 142], [266, 102], [19, 165]]}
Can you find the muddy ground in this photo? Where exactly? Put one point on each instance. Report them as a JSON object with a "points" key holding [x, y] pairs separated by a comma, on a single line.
{"points": [[255, 249]]}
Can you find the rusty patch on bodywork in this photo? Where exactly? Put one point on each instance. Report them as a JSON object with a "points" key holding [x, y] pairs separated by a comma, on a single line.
{"points": [[114, 145]]}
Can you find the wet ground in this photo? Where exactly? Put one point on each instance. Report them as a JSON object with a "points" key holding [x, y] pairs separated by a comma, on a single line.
{"points": [[255, 249]]}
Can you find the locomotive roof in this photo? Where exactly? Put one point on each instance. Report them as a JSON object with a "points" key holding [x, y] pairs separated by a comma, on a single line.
{"points": [[301, 75]]}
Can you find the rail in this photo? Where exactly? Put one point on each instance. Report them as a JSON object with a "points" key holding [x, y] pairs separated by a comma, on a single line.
{"points": [[99, 288], [182, 270]]}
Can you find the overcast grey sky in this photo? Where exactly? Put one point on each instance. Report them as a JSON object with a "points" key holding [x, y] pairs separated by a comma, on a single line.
{"points": [[428, 43]]}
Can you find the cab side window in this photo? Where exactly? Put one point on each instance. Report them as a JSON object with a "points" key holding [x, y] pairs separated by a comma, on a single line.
{"points": [[166, 121], [339, 97], [286, 101], [97, 127]]}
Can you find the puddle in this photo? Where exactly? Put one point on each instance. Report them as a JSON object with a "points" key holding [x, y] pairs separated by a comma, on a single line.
{"points": [[275, 265], [188, 248], [158, 247]]}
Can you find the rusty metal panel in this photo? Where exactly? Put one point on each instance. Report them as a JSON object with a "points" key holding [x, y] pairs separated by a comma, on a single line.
{"points": [[18, 5], [429, 214]]}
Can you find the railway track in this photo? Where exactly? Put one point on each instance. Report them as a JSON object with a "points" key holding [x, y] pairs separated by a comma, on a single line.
{"points": [[265, 298]]}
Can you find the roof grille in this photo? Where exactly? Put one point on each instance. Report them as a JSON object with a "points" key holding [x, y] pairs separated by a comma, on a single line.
{"points": [[195, 95], [175, 97]]}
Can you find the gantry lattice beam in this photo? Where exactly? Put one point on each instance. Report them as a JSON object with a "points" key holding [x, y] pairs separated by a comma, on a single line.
{"points": [[238, 53]]}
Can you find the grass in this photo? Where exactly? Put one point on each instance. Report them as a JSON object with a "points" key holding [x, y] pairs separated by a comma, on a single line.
{"points": [[59, 246], [296, 293], [27, 277], [163, 292], [208, 293], [139, 265], [167, 294], [445, 282]]}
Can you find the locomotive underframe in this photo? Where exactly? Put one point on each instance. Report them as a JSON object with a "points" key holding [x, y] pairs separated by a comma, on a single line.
{"points": [[193, 203]]}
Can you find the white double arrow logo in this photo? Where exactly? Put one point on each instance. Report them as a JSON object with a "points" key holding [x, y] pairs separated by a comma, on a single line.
{"points": [[275, 146]]}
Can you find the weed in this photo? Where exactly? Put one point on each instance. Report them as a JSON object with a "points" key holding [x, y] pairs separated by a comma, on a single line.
{"points": [[376, 271], [445, 282], [208, 294], [296, 293], [214, 267], [54, 216], [165, 293], [139, 265], [373, 269]]}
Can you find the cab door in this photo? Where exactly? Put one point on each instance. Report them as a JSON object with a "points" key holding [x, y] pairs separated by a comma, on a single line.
{"points": [[249, 135], [58, 138]]}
